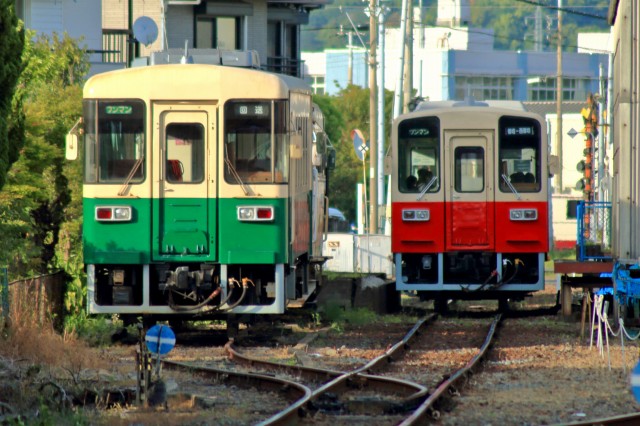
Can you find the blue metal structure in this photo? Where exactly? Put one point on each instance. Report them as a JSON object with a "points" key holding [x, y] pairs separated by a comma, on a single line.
{"points": [[594, 231]]}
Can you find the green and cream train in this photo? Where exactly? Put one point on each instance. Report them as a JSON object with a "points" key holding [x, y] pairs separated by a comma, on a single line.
{"points": [[204, 191]]}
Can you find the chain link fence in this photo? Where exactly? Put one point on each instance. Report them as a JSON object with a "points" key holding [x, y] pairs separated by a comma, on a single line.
{"points": [[594, 230]]}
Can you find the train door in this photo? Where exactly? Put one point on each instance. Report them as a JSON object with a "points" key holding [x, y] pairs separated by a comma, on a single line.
{"points": [[470, 198], [184, 202]]}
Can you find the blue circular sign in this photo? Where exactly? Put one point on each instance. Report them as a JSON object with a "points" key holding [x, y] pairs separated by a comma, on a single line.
{"points": [[359, 143], [160, 339], [635, 382]]}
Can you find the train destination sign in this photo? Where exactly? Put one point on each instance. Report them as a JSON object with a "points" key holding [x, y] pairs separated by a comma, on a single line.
{"points": [[252, 109], [519, 131], [118, 109]]}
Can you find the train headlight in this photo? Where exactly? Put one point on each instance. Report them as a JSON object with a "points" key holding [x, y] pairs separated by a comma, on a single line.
{"points": [[523, 214], [255, 213], [416, 215], [113, 213], [246, 213]]}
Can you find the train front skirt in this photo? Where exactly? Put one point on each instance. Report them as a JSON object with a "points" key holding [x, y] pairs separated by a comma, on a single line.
{"points": [[470, 275], [146, 307]]}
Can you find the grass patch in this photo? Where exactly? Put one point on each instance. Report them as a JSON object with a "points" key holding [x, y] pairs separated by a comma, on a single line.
{"points": [[567, 254], [339, 317]]}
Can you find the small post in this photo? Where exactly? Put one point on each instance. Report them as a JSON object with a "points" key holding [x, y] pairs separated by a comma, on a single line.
{"points": [[4, 295]]}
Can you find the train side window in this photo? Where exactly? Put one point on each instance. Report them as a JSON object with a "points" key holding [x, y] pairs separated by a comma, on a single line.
{"points": [[519, 154], [185, 153]]}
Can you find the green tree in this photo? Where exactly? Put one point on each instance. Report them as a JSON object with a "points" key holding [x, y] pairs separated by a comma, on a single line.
{"points": [[37, 194], [512, 21], [346, 111], [11, 45]]}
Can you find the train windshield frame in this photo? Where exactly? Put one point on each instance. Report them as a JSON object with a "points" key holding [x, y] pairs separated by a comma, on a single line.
{"points": [[256, 141], [115, 141], [419, 146], [519, 154]]}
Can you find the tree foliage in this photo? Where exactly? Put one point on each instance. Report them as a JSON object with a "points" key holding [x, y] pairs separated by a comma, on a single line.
{"points": [[346, 111], [36, 199], [11, 45]]}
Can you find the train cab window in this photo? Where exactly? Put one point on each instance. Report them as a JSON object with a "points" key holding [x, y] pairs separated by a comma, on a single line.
{"points": [[519, 155], [256, 145], [114, 141], [469, 169], [419, 155], [184, 147]]}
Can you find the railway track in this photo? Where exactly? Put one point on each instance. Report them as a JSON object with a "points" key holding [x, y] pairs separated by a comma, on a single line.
{"points": [[380, 390]]}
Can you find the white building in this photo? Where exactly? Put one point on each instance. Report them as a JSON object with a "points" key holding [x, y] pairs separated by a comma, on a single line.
{"points": [[108, 27], [80, 19]]}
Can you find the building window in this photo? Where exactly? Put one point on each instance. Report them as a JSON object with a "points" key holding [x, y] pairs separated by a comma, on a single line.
{"points": [[274, 37], [218, 32], [545, 89], [572, 209], [317, 84], [484, 88]]}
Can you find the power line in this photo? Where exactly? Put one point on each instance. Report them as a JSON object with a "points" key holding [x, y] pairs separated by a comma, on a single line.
{"points": [[470, 31], [563, 9]]}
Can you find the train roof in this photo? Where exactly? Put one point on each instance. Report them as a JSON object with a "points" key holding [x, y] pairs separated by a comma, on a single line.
{"points": [[192, 81], [429, 105]]}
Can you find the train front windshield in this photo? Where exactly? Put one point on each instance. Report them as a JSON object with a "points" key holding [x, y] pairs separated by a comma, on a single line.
{"points": [[114, 141], [419, 155], [256, 142], [519, 157]]}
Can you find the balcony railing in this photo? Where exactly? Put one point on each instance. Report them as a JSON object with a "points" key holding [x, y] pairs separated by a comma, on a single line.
{"points": [[115, 45], [282, 65]]}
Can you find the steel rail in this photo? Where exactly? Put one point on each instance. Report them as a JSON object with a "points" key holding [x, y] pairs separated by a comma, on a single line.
{"points": [[621, 420], [342, 381], [419, 415], [293, 391], [355, 378]]}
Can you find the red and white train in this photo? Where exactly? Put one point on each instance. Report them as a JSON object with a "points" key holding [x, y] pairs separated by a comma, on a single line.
{"points": [[470, 203]]}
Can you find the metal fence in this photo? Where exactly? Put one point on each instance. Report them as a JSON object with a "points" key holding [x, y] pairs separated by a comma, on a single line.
{"points": [[38, 300], [594, 230]]}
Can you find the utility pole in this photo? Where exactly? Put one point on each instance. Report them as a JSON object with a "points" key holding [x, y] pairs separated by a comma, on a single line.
{"points": [[350, 46], [420, 24], [537, 32], [350, 69], [407, 83], [397, 99], [559, 101], [130, 39], [537, 29], [373, 134], [381, 128]]}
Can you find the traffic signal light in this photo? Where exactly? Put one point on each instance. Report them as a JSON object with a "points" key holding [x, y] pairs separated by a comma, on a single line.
{"points": [[590, 131]]}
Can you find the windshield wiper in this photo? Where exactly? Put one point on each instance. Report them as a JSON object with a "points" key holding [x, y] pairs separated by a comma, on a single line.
{"points": [[511, 187], [426, 188], [130, 176], [233, 171]]}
